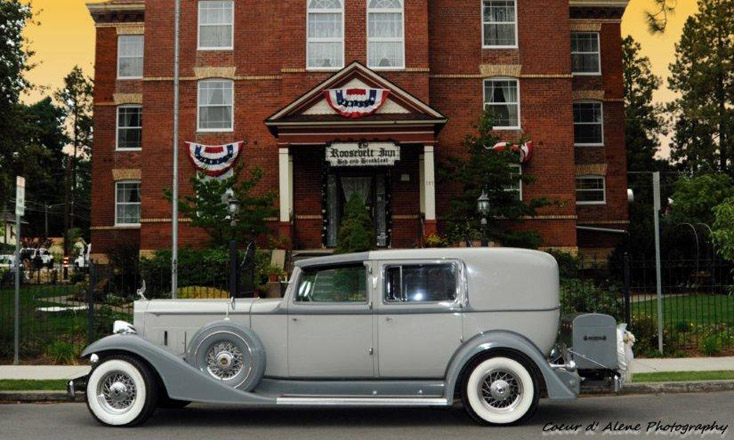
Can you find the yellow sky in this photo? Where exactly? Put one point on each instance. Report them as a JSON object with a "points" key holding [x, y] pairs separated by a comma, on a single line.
{"points": [[65, 37]]}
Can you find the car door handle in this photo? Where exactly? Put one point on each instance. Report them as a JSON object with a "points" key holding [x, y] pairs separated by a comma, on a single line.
{"points": [[294, 319], [388, 319]]}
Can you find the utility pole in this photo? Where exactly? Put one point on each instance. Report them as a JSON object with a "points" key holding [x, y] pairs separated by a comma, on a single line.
{"points": [[19, 211], [45, 221], [658, 272], [174, 211]]}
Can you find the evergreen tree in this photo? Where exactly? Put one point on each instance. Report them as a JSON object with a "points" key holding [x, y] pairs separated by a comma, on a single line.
{"points": [[486, 170], [703, 74], [356, 233]]}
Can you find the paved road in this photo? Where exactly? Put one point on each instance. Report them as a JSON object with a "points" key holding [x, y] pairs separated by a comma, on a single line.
{"points": [[72, 421]]}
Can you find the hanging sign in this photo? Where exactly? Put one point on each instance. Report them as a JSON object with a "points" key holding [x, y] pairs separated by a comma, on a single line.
{"points": [[356, 102], [213, 160], [362, 154], [525, 150]]}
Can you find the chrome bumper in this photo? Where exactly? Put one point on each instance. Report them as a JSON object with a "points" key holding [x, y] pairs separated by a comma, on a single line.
{"points": [[77, 386]]}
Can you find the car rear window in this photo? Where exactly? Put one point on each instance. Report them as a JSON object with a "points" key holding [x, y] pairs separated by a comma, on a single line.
{"points": [[416, 283]]}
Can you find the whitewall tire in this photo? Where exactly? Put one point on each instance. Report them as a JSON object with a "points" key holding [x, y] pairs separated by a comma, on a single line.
{"points": [[500, 390], [121, 391]]}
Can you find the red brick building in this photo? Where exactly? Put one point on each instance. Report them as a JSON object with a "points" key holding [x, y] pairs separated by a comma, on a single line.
{"points": [[259, 72]]}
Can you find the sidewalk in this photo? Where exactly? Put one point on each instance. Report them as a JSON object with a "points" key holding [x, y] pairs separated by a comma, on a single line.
{"points": [[638, 366]]}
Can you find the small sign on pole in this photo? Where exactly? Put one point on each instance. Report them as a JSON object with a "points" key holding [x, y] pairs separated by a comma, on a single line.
{"points": [[20, 196]]}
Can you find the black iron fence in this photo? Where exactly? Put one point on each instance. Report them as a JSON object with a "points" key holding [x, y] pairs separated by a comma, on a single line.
{"points": [[60, 312]]}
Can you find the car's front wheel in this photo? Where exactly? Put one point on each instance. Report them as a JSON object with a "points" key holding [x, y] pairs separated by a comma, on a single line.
{"points": [[121, 391], [500, 390]]}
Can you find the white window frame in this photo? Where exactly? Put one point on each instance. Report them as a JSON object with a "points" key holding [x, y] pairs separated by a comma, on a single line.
{"points": [[117, 127], [199, 105], [199, 25], [601, 111], [598, 43], [310, 11], [519, 100], [119, 57], [385, 40], [117, 223], [482, 23], [518, 167], [604, 189]]}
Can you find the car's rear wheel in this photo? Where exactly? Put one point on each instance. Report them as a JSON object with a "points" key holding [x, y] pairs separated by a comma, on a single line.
{"points": [[122, 391], [500, 390]]}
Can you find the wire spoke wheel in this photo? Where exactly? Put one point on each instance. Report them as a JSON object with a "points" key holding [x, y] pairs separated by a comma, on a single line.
{"points": [[500, 390], [224, 360], [116, 392]]}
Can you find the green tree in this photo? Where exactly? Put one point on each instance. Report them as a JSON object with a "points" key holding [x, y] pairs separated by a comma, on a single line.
{"points": [[14, 64], [356, 233], [703, 75], [484, 170], [76, 98], [207, 207], [724, 228], [695, 198]]}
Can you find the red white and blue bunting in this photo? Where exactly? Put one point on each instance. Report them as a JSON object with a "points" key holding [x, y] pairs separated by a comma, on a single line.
{"points": [[356, 102], [214, 160], [524, 150]]}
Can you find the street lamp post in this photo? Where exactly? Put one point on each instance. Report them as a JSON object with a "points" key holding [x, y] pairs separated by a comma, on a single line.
{"points": [[483, 208], [233, 206]]}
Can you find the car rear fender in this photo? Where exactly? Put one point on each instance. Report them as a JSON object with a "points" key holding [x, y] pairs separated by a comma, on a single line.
{"points": [[560, 385]]}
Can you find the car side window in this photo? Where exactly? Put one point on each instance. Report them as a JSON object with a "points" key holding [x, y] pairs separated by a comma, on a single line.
{"points": [[343, 284], [416, 283]]}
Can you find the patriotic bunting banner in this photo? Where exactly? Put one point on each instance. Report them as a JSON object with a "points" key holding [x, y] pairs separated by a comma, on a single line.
{"points": [[214, 160], [356, 102], [525, 150]]}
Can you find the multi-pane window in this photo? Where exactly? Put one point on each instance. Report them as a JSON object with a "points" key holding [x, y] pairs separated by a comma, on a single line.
{"points": [[215, 105], [417, 283], [127, 203], [502, 99], [385, 39], [516, 187], [344, 284], [325, 44], [216, 25], [499, 23], [590, 190], [129, 127], [130, 56], [585, 56], [588, 124]]}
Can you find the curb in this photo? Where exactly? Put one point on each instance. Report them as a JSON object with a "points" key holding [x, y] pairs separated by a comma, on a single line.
{"points": [[38, 396], [703, 386], [629, 389]]}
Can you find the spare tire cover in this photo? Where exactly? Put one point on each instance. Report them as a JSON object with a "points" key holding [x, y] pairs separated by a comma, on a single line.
{"points": [[229, 353]]}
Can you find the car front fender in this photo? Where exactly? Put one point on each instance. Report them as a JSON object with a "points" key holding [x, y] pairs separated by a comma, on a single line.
{"points": [[182, 381], [560, 385]]}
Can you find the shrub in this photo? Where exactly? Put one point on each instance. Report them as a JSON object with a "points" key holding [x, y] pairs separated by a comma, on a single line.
{"points": [[62, 353], [579, 296], [569, 265], [104, 319], [77, 277], [356, 233], [435, 241], [199, 292]]}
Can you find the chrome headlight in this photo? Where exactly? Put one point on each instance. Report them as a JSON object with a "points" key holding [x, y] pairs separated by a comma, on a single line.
{"points": [[123, 328]]}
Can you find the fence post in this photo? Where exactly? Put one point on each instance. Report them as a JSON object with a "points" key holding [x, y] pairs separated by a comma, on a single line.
{"points": [[627, 317], [90, 302]]}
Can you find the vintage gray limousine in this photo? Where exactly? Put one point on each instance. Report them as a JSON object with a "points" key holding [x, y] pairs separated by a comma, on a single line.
{"points": [[383, 328]]}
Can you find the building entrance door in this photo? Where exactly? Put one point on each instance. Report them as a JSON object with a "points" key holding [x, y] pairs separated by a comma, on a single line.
{"points": [[368, 185]]}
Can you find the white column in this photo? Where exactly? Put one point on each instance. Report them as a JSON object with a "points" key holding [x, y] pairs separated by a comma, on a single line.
{"points": [[285, 185], [421, 184], [429, 183]]}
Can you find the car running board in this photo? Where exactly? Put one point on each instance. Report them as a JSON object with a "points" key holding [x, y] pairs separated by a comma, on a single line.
{"points": [[362, 401]]}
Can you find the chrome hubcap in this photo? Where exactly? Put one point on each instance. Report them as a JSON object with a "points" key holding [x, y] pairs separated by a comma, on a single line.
{"points": [[501, 390], [116, 392], [224, 360]]}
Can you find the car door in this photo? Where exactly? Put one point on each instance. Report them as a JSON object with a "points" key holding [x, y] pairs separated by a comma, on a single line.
{"points": [[418, 317], [330, 326]]}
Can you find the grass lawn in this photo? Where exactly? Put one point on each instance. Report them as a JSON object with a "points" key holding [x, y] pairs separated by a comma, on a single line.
{"points": [[681, 376], [695, 309], [32, 385]]}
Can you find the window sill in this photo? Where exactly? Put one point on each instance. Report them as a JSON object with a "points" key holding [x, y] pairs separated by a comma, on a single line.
{"points": [[589, 145], [127, 150], [215, 49], [585, 73], [500, 47], [323, 69], [129, 78], [387, 69], [507, 128], [213, 131], [591, 203], [127, 226]]}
